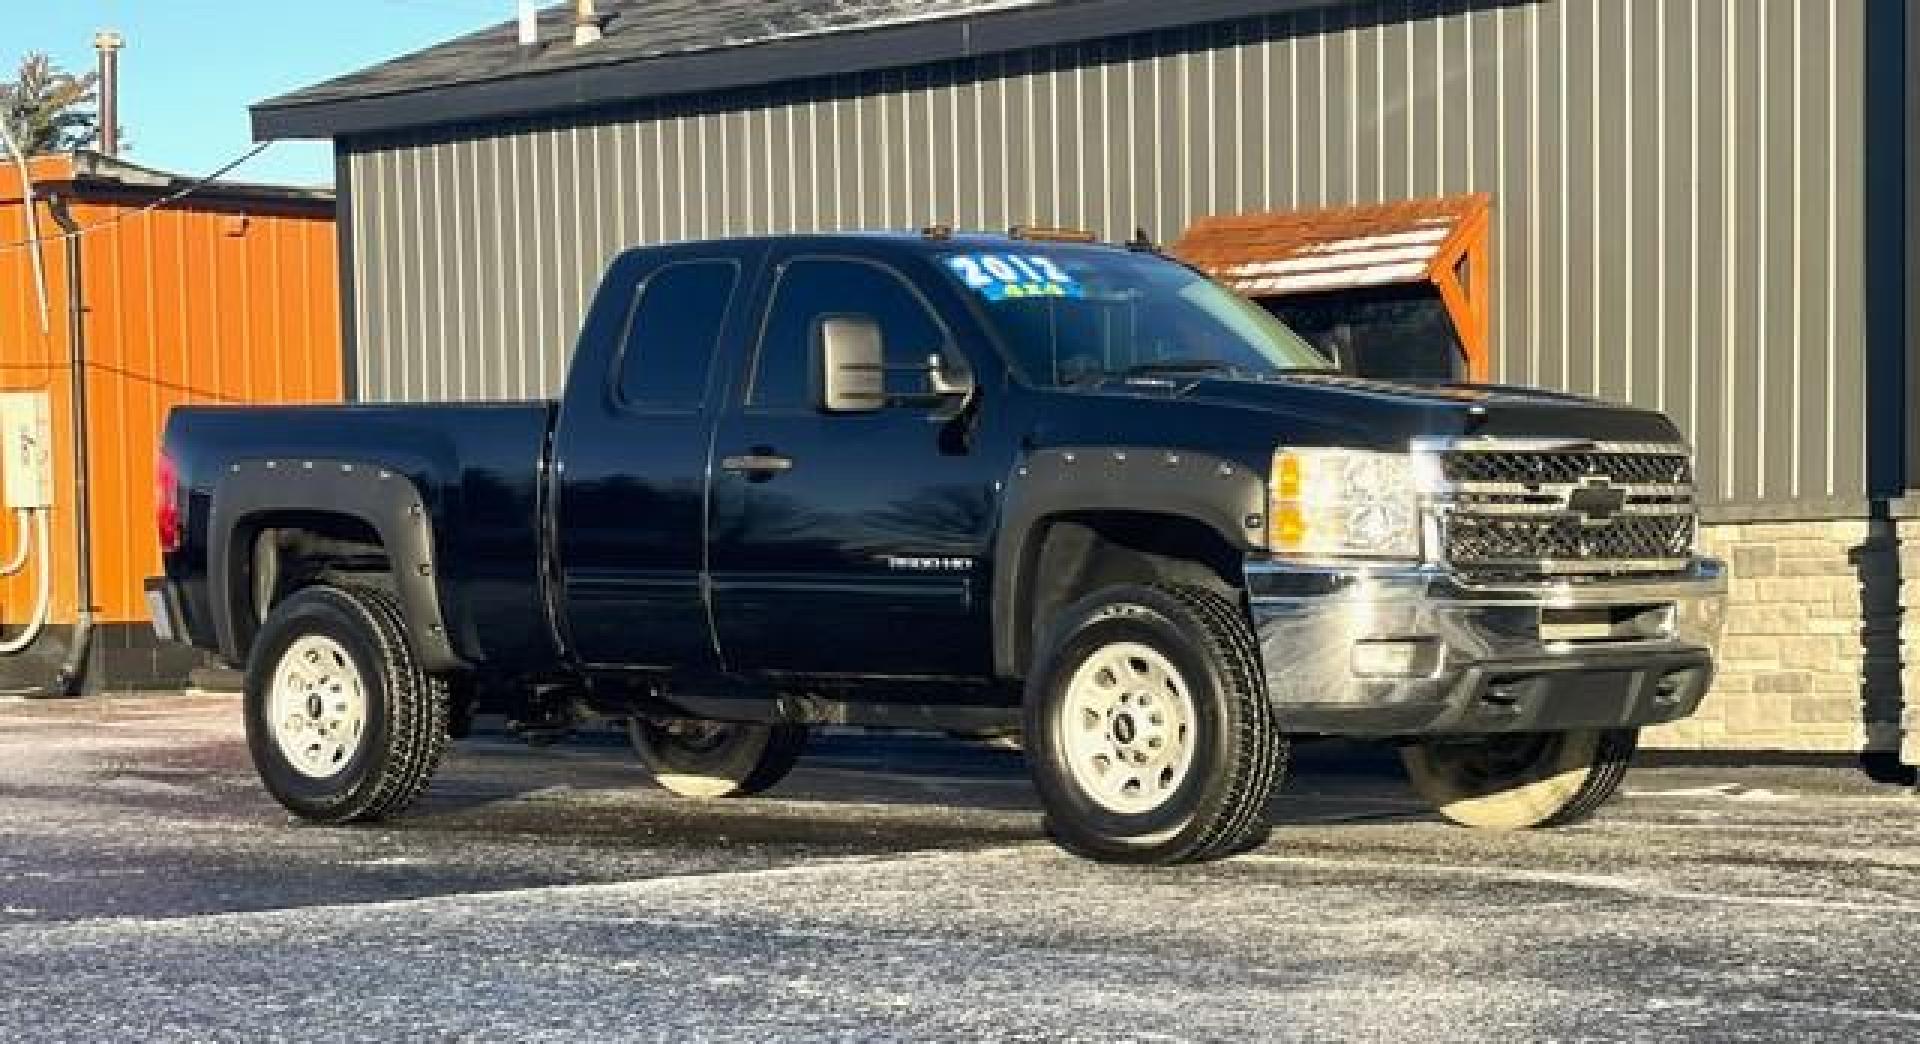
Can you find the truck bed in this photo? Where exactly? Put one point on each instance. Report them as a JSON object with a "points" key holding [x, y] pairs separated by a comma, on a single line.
{"points": [[479, 469]]}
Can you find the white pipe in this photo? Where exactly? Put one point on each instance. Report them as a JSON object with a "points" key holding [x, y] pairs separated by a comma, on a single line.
{"points": [[19, 561], [43, 591], [529, 24], [27, 197], [586, 23]]}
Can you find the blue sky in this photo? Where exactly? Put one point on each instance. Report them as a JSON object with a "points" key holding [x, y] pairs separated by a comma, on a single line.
{"points": [[192, 67]]}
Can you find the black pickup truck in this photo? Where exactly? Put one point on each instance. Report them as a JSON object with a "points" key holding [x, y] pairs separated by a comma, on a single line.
{"points": [[956, 482]]}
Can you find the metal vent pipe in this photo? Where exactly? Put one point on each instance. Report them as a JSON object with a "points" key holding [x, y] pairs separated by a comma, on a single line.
{"points": [[109, 43], [586, 23]]}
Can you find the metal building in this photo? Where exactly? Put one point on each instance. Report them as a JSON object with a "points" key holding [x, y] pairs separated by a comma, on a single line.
{"points": [[226, 296], [1698, 205]]}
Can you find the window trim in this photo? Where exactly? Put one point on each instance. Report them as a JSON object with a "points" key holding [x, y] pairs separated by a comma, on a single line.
{"points": [[616, 376], [949, 348]]}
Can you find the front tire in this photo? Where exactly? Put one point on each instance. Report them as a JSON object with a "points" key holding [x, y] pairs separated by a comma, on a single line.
{"points": [[343, 724], [1521, 781], [1148, 728], [711, 759]]}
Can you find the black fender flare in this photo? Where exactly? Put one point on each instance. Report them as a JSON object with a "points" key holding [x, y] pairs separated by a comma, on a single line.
{"points": [[381, 497], [1224, 495]]}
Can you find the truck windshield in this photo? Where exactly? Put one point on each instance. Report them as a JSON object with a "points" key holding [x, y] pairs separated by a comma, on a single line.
{"points": [[1074, 315]]}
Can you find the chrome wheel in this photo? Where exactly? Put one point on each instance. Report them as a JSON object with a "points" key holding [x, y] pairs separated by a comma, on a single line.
{"points": [[1126, 728], [317, 707]]}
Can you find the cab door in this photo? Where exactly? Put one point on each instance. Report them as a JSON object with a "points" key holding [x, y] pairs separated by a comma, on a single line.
{"points": [[631, 451], [850, 543]]}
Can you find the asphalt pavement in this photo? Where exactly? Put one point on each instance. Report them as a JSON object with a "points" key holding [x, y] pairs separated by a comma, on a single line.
{"points": [[899, 888]]}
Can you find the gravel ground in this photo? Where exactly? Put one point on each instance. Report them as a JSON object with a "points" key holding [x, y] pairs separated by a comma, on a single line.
{"points": [[898, 888]]}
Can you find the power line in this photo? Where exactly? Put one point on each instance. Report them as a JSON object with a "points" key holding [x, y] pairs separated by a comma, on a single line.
{"points": [[127, 215]]}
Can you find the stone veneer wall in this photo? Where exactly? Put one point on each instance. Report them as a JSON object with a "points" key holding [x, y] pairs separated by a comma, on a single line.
{"points": [[1811, 657]]}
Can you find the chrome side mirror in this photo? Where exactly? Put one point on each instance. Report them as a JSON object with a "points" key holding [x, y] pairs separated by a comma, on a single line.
{"points": [[850, 355]]}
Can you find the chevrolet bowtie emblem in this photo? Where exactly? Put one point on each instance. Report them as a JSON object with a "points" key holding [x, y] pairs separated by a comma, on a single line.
{"points": [[1596, 501]]}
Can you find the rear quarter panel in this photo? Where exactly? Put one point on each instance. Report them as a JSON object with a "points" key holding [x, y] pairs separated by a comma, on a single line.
{"points": [[478, 469]]}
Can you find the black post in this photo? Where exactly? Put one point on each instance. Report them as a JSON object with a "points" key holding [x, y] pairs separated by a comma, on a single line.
{"points": [[1886, 188], [72, 679]]}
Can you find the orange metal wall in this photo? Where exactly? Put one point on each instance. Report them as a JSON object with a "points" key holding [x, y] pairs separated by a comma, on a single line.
{"points": [[208, 302], [31, 360]]}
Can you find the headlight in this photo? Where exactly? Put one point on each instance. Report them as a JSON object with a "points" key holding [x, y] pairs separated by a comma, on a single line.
{"points": [[1344, 502]]}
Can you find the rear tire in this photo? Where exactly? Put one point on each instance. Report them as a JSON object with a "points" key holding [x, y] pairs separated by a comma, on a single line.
{"points": [[342, 723], [1522, 781], [710, 759], [1148, 728]]}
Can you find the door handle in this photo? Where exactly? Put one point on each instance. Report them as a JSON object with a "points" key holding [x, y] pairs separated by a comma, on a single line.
{"points": [[757, 463]]}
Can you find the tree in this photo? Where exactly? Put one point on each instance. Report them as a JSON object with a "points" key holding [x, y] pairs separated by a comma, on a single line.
{"points": [[49, 110]]}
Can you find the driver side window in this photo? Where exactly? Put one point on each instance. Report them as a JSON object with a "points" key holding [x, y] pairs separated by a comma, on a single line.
{"points": [[812, 288]]}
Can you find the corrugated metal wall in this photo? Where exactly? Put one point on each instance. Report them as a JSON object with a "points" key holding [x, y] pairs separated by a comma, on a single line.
{"points": [[1676, 186], [225, 302], [33, 358]]}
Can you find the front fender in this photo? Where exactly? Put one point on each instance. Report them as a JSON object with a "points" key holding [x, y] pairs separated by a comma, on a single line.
{"points": [[1224, 495]]}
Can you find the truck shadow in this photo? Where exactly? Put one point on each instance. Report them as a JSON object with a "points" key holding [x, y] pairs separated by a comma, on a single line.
{"points": [[867, 793]]}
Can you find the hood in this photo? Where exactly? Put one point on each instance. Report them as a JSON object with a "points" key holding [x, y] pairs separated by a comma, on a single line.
{"points": [[1375, 413]]}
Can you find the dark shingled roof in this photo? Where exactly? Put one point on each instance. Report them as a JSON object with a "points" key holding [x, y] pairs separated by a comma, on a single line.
{"points": [[655, 48], [634, 30]]}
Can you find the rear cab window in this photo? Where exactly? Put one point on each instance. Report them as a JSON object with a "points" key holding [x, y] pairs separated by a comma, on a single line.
{"points": [[673, 335]]}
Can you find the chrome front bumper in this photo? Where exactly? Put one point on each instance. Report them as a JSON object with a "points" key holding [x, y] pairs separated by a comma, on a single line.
{"points": [[1405, 651]]}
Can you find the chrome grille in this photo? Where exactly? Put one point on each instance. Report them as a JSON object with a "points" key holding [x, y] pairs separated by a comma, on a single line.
{"points": [[1593, 510], [1536, 466]]}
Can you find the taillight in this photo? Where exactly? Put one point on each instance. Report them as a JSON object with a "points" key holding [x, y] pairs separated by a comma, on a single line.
{"points": [[166, 503]]}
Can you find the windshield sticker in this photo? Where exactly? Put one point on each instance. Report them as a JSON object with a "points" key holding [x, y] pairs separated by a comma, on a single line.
{"points": [[1006, 277]]}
